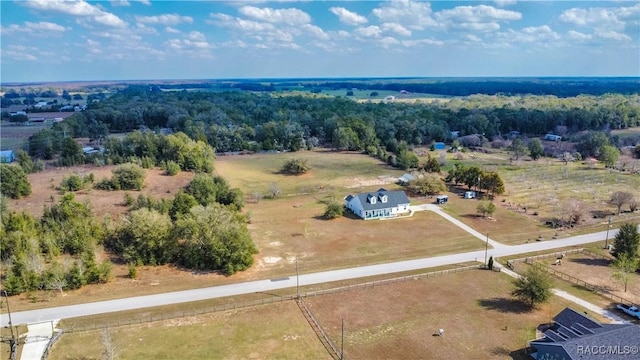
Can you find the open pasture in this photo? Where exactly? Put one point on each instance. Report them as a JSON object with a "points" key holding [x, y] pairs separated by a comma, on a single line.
{"points": [[545, 187], [505, 225], [396, 320], [597, 271], [281, 333], [292, 228], [330, 172], [480, 318], [14, 137]]}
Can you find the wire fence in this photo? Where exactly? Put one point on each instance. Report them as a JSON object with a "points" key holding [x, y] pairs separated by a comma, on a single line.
{"points": [[315, 324], [602, 291], [589, 286], [375, 283], [53, 340], [258, 302], [545, 256]]}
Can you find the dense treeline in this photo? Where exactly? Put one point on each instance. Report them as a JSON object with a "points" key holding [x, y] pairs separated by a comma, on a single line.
{"points": [[561, 87], [200, 228], [235, 121], [463, 87]]}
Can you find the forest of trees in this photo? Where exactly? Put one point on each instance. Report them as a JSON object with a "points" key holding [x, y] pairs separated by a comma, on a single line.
{"points": [[182, 130], [200, 228], [235, 121]]}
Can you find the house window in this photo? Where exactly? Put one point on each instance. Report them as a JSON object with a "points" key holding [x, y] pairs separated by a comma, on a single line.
{"points": [[372, 199], [383, 198]]}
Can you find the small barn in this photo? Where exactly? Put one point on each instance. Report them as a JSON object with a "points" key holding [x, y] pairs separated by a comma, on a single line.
{"points": [[442, 199], [7, 156]]}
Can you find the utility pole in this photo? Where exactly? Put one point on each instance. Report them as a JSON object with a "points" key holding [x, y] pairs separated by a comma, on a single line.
{"points": [[486, 248], [342, 342], [606, 239], [297, 280], [12, 343]]}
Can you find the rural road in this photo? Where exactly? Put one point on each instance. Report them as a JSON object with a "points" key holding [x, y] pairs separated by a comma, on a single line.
{"points": [[71, 311]]}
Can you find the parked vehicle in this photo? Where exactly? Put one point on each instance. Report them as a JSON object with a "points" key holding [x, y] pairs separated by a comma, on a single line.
{"points": [[630, 310]]}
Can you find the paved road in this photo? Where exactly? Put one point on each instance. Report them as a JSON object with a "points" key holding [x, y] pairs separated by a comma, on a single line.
{"points": [[101, 307], [438, 210]]}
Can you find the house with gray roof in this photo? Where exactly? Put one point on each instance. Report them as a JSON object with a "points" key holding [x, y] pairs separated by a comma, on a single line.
{"points": [[573, 335], [378, 204]]}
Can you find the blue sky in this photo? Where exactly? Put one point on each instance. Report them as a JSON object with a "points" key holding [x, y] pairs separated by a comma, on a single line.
{"points": [[53, 40]]}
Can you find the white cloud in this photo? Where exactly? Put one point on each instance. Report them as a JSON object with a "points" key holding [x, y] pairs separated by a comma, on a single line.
{"points": [[388, 41], [264, 34], [80, 9], [369, 31], [120, 3], [473, 38], [476, 18], [504, 3], [396, 28], [20, 53], [540, 36], [578, 36], [315, 31], [225, 20], [289, 16], [422, 42], [94, 47], [612, 35], [196, 36], [165, 19], [43, 27], [169, 29], [593, 16], [348, 17], [143, 29], [412, 14], [605, 23]]}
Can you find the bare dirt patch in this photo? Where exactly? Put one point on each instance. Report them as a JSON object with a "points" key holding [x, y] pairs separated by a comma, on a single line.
{"points": [[44, 184]]}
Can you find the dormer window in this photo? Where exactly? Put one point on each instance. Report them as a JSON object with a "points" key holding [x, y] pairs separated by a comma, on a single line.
{"points": [[383, 198], [371, 198]]}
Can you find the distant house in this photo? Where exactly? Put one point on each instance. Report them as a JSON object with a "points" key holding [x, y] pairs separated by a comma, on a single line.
{"points": [[552, 137], [439, 146], [90, 150], [378, 204], [7, 156], [389, 98], [573, 335]]}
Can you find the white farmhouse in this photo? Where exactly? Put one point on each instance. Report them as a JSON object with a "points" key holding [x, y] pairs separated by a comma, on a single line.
{"points": [[378, 204]]}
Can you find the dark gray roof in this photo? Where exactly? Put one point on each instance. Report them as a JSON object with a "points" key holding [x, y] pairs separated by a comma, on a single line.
{"points": [[577, 336], [394, 198], [568, 317]]}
